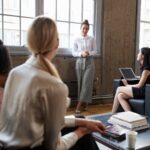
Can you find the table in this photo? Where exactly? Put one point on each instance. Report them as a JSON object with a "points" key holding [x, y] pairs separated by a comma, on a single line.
{"points": [[143, 138]]}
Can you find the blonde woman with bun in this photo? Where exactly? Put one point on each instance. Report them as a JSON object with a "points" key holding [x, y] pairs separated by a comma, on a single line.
{"points": [[34, 103]]}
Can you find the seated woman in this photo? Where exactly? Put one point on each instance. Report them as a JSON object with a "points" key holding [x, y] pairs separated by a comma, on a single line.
{"points": [[137, 91], [5, 66], [34, 102]]}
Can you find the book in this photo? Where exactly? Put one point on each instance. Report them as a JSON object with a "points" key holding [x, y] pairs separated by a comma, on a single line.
{"points": [[125, 125], [130, 120], [115, 131], [129, 116], [113, 120]]}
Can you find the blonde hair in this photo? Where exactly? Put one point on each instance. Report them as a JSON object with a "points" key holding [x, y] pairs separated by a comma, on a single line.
{"points": [[42, 38]]}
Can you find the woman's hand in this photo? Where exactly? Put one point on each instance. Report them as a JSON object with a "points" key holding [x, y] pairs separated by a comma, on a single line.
{"points": [[92, 125], [124, 81], [95, 126], [85, 53]]}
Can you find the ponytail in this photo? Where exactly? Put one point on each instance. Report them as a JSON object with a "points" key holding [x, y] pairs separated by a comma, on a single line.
{"points": [[48, 66]]}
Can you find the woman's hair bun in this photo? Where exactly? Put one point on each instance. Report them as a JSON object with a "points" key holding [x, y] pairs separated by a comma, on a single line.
{"points": [[86, 21]]}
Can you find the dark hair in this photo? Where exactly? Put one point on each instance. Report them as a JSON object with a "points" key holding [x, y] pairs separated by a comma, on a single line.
{"points": [[146, 52], [5, 62], [1, 42], [85, 22]]}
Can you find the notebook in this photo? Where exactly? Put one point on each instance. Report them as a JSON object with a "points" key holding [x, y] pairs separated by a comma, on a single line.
{"points": [[128, 74]]}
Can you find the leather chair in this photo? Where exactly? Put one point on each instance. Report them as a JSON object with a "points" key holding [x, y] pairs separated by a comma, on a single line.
{"points": [[141, 106]]}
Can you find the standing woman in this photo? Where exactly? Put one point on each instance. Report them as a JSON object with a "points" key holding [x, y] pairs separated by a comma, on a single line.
{"points": [[5, 66], [84, 48]]}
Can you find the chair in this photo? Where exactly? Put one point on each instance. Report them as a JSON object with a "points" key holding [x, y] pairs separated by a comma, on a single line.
{"points": [[141, 106]]}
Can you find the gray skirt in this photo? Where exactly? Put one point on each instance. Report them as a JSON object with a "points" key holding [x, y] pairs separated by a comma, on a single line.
{"points": [[85, 69]]}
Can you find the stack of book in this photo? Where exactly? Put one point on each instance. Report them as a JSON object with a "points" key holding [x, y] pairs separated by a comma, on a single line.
{"points": [[129, 120]]}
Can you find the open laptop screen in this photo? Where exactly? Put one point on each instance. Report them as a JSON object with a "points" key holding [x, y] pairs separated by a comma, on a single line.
{"points": [[127, 73]]}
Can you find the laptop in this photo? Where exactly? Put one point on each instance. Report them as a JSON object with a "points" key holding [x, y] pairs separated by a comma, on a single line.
{"points": [[128, 74]]}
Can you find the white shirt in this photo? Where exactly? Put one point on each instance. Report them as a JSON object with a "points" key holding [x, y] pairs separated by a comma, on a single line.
{"points": [[33, 109], [84, 43]]}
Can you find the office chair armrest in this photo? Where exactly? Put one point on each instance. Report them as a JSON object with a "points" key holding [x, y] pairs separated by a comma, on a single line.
{"points": [[147, 100]]}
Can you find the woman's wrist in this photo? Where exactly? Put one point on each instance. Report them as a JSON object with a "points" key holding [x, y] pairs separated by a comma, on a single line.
{"points": [[80, 132], [81, 122]]}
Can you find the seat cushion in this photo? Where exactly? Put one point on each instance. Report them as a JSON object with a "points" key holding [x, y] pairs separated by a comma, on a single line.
{"points": [[137, 105]]}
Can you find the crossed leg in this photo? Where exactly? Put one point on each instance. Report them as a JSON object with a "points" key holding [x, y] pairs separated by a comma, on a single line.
{"points": [[123, 94]]}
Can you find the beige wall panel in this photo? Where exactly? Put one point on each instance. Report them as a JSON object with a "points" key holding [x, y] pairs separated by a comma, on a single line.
{"points": [[118, 39]]}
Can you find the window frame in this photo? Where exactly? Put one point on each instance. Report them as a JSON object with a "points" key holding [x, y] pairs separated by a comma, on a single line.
{"points": [[138, 27], [39, 8], [19, 17]]}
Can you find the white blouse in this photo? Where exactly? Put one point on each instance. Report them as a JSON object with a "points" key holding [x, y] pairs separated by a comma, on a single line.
{"points": [[33, 109], [84, 43]]}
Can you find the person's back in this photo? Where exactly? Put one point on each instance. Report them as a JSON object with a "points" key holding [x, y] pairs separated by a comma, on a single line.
{"points": [[27, 116], [34, 102]]}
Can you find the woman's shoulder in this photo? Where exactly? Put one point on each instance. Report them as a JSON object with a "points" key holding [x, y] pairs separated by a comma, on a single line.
{"points": [[91, 38], [146, 71], [51, 82]]}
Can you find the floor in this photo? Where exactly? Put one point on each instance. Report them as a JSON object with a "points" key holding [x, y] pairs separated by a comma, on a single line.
{"points": [[92, 110]]}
